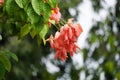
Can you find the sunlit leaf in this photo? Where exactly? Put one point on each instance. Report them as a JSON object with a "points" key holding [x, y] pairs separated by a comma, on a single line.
{"points": [[33, 32], [47, 12], [20, 3], [38, 6], [6, 62], [34, 18], [52, 3], [43, 32], [12, 55], [24, 30], [52, 21]]}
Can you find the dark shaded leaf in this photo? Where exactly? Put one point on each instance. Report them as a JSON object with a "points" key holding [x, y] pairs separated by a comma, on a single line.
{"points": [[2, 71]]}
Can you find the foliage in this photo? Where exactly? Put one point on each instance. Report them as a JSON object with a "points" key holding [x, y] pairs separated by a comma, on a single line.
{"points": [[29, 16], [22, 19], [5, 64]]}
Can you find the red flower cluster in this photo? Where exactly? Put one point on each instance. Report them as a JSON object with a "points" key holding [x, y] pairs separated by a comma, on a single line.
{"points": [[56, 15], [65, 40], [1, 2]]}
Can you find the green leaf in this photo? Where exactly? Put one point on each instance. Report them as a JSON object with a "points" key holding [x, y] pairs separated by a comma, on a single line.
{"points": [[22, 3], [39, 39], [38, 6], [19, 3], [12, 8], [9, 5], [39, 25], [52, 3], [34, 18], [25, 30], [47, 12], [33, 33], [52, 21], [25, 4], [43, 32], [6, 62], [8, 53], [2, 71], [23, 15]]}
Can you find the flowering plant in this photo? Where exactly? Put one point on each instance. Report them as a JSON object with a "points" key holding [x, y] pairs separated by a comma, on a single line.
{"points": [[35, 18], [65, 40]]}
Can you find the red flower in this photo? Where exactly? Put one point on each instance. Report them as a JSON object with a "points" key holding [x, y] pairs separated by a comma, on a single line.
{"points": [[56, 15], [1, 2], [65, 40]]}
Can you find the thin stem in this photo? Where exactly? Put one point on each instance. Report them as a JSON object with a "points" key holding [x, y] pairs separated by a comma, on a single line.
{"points": [[63, 21], [56, 27]]}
